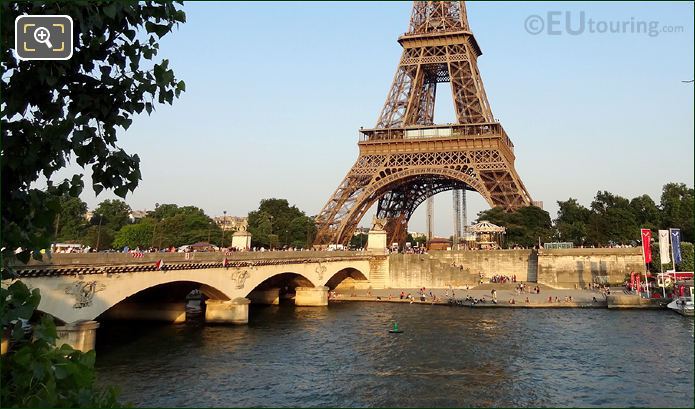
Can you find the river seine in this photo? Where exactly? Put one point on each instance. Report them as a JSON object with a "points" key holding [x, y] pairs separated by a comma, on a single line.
{"points": [[447, 356]]}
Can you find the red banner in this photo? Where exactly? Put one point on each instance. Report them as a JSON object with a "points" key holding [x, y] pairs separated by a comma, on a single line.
{"points": [[647, 245]]}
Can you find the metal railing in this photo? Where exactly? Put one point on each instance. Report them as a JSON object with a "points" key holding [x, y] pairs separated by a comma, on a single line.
{"points": [[468, 131]]}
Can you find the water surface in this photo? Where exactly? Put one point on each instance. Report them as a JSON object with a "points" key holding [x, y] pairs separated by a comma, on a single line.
{"points": [[344, 356]]}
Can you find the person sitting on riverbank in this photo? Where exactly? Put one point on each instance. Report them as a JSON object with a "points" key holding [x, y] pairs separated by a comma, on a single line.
{"points": [[550, 298], [527, 301], [512, 301], [402, 295]]}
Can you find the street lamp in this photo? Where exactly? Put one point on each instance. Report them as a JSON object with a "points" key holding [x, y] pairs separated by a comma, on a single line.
{"points": [[154, 233], [99, 230], [209, 228], [224, 225]]}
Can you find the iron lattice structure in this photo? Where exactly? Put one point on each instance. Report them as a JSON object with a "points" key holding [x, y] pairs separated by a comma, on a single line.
{"points": [[406, 158]]}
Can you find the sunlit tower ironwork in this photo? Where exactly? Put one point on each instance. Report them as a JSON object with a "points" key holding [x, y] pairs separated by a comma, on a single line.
{"points": [[406, 158], [456, 237], [430, 218]]}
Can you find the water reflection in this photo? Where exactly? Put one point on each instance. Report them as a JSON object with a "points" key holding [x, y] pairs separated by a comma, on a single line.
{"points": [[344, 356]]}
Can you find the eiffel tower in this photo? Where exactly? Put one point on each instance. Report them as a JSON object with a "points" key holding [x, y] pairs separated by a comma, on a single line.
{"points": [[406, 158]]}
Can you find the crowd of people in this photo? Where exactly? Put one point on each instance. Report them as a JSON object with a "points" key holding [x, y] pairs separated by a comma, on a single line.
{"points": [[525, 288], [503, 279]]}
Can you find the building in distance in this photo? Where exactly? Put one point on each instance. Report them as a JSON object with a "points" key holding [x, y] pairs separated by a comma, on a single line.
{"points": [[231, 223], [136, 215]]}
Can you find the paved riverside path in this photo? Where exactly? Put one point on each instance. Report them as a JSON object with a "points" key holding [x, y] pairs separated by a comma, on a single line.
{"points": [[505, 293]]}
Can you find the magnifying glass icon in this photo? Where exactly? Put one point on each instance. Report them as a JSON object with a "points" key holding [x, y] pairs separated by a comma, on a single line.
{"points": [[43, 36]]}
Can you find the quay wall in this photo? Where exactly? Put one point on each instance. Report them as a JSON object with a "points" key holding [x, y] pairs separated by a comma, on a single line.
{"points": [[565, 268], [456, 268], [559, 268]]}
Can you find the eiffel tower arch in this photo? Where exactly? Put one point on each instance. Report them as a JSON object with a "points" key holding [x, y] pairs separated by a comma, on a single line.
{"points": [[406, 158]]}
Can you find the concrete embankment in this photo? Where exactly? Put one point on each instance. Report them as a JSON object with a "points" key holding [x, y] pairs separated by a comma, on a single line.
{"points": [[628, 301], [560, 298], [488, 304], [505, 293]]}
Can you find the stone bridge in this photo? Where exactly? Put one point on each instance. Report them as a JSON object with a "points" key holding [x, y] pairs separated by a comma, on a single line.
{"points": [[86, 287]]}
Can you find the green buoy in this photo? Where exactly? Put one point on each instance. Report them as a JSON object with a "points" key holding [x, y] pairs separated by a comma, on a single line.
{"points": [[395, 329]]}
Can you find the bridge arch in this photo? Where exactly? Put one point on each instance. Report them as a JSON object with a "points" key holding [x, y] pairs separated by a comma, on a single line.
{"points": [[278, 280], [208, 289], [345, 276], [163, 301]]}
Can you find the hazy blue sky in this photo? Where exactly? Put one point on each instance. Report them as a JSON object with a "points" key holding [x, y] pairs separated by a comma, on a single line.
{"points": [[277, 91]]}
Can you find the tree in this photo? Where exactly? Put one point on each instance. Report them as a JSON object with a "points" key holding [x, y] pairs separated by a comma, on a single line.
{"points": [[56, 111], [98, 237], [677, 209], [572, 220], [612, 220], [646, 212], [524, 225], [687, 258], [135, 235], [277, 223], [70, 223], [53, 112], [177, 226], [109, 217], [115, 214], [359, 240], [528, 225]]}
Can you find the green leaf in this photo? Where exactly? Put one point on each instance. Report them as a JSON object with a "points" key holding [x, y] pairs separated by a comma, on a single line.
{"points": [[160, 29], [110, 10]]}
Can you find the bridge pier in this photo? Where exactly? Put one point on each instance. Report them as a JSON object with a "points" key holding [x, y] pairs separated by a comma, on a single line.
{"points": [[311, 296], [266, 297], [234, 311], [139, 311], [81, 335]]}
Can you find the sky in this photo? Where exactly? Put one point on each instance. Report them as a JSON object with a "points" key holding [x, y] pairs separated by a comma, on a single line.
{"points": [[276, 93]]}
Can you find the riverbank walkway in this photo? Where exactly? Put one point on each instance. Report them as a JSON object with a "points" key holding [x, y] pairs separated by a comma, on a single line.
{"points": [[505, 293]]}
